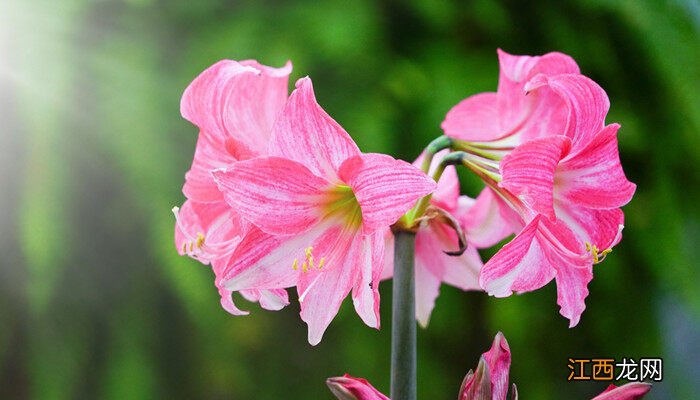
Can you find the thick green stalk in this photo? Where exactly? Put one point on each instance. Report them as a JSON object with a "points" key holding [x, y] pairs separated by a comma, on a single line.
{"points": [[403, 319]]}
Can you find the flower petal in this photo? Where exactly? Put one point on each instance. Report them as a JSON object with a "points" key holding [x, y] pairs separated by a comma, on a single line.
{"points": [[484, 222], [475, 118], [321, 291], [587, 102], [433, 267], [304, 132], [572, 290], [528, 172], [602, 228], [427, 290], [208, 231], [279, 196], [531, 115], [262, 261], [629, 391], [347, 387], [237, 101], [227, 303], [521, 265], [365, 292], [384, 187], [270, 299], [498, 361], [593, 177], [199, 184]]}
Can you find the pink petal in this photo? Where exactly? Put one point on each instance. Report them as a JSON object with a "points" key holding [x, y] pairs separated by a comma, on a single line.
{"points": [[629, 391], [498, 361], [602, 228], [263, 261], [220, 227], [528, 172], [228, 305], [463, 272], [573, 266], [388, 270], [278, 195], [233, 101], [476, 118], [534, 114], [572, 290], [431, 241], [365, 292], [321, 291], [521, 265], [587, 102], [304, 132], [593, 177], [384, 187], [348, 388], [484, 222], [427, 290], [270, 299], [199, 184], [433, 266]]}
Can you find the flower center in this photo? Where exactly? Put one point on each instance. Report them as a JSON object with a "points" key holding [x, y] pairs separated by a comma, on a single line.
{"points": [[342, 204]]}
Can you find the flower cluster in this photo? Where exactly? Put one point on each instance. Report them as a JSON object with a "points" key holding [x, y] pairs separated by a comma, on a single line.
{"points": [[488, 382], [279, 195], [552, 173]]}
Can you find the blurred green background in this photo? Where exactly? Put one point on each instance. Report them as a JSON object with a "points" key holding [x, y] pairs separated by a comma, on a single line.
{"points": [[95, 302]]}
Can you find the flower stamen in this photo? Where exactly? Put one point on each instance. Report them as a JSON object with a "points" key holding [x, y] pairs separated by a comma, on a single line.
{"points": [[308, 263]]}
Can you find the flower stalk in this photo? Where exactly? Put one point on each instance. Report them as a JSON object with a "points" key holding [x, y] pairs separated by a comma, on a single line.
{"points": [[403, 319]]}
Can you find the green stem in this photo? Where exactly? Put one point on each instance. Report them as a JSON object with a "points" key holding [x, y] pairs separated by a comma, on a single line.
{"points": [[403, 319], [440, 143]]}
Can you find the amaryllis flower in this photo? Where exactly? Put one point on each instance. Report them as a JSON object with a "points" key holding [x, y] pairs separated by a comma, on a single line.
{"points": [[320, 209], [234, 104], [553, 174], [347, 387], [488, 382], [436, 237]]}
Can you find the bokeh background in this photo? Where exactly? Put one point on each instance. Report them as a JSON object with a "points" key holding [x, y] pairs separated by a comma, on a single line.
{"points": [[95, 302]]}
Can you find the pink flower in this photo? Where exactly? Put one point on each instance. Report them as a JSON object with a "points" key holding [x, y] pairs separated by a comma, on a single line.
{"points": [[488, 382], [321, 209], [434, 237], [234, 104], [348, 388], [553, 171]]}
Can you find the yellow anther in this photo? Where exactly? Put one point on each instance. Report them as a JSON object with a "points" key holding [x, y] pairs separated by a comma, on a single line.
{"points": [[311, 262], [191, 246], [200, 240], [598, 255], [295, 266], [308, 251], [184, 247], [304, 267], [323, 261]]}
